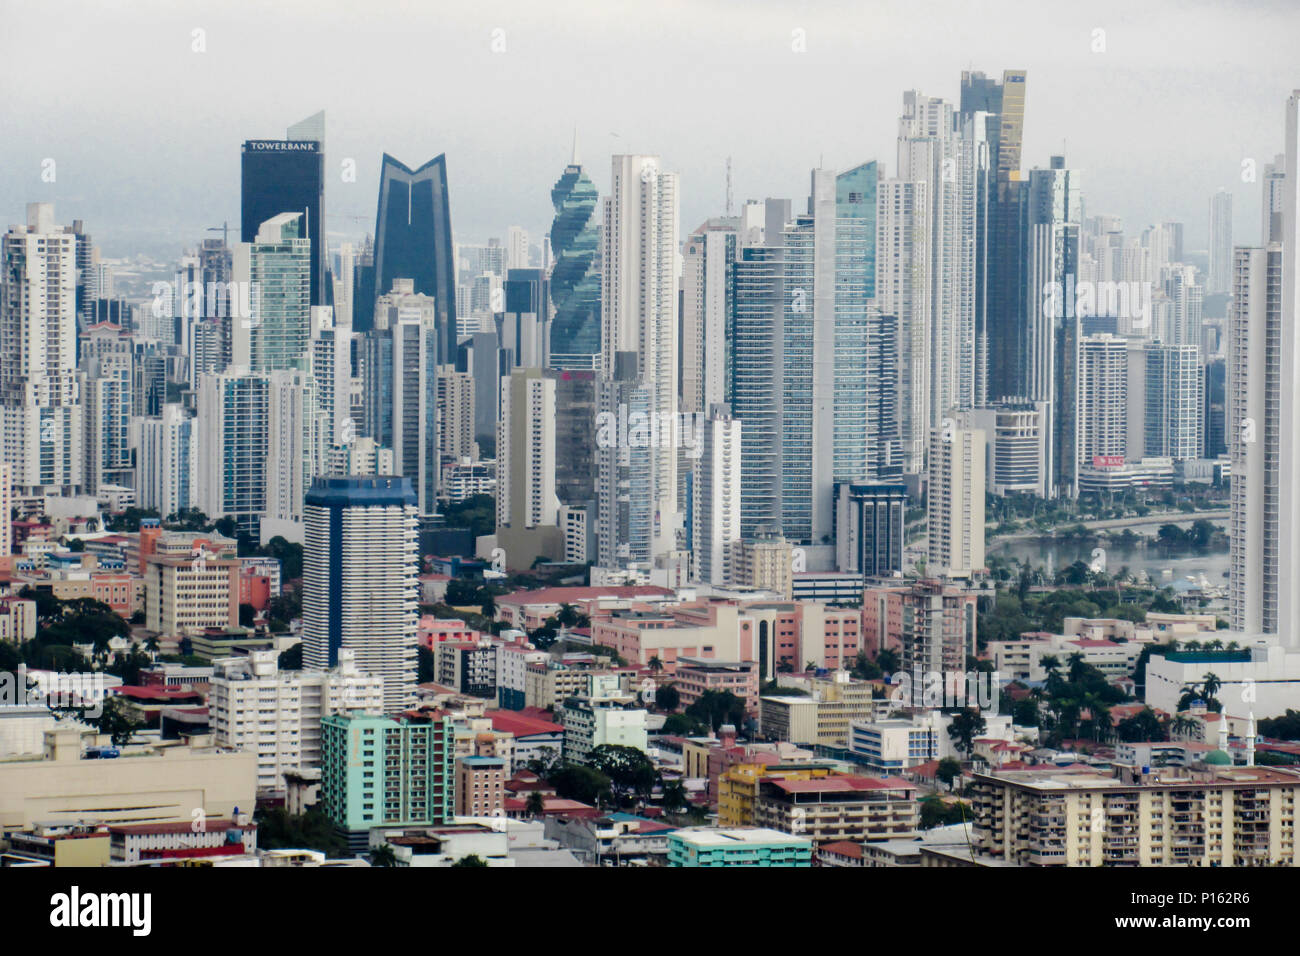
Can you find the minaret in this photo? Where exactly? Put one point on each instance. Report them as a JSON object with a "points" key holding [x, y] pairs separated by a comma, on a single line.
{"points": [[1223, 732], [1250, 740]]}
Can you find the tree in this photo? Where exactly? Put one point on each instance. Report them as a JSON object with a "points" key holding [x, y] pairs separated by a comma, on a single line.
{"points": [[383, 855], [278, 829], [684, 725], [288, 553], [291, 660], [864, 668], [1142, 726], [632, 775], [715, 708], [425, 672], [887, 660], [574, 781], [965, 727], [667, 698], [116, 721], [472, 860], [546, 760], [949, 770], [936, 812], [246, 615], [536, 804], [655, 664], [674, 796]]}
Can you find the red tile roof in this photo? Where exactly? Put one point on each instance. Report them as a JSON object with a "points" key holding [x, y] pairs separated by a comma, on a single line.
{"points": [[513, 722], [845, 784], [842, 848]]}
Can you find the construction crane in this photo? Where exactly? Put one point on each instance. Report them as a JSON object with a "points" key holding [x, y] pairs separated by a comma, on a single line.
{"points": [[224, 229]]}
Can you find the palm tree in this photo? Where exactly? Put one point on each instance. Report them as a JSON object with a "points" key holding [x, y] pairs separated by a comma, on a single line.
{"points": [[1210, 685], [383, 855], [1183, 725], [656, 664], [1077, 664], [536, 805]]}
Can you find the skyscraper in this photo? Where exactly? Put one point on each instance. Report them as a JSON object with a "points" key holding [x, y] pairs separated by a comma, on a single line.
{"points": [[359, 580], [716, 483], [276, 334], [287, 176], [413, 239], [39, 396], [575, 274], [1220, 278], [706, 301], [522, 326], [955, 501], [1173, 401], [1050, 347], [401, 386], [1263, 420], [903, 290], [639, 343], [1000, 253]]}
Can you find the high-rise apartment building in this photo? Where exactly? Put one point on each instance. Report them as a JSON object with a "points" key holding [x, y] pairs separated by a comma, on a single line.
{"points": [[1263, 419], [255, 706], [360, 587], [639, 361], [715, 510], [43, 430], [1174, 402], [955, 501], [275, 265], [1220, 277]]}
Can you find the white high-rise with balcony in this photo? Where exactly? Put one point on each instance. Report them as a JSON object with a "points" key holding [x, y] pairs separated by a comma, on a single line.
{"points": [[1263, 418], [639, 268], [716, 510], [40, 408], [256, 707]]}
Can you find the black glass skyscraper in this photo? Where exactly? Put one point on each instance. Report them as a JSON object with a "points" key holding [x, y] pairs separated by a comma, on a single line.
{"points": [[282, 175], [413, 238], [1000, 229]]}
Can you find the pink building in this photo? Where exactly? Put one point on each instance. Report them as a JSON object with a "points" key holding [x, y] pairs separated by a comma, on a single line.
{"points": [[696, 675], [439, 630]]}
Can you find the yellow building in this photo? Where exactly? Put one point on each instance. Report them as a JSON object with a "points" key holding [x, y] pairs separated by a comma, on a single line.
{"points": [[738, 789], [167, 785]]}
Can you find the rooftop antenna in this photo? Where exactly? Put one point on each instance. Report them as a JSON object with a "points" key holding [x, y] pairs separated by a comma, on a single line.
{"points": [[574, 160], [728, 186]]}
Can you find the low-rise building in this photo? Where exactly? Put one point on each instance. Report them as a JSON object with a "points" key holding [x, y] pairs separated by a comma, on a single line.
{"points": [[838, 807], [752, 846]]}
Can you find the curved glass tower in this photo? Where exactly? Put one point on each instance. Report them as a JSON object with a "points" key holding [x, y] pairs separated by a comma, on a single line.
{"points": [[413, 239], [575, 276]]}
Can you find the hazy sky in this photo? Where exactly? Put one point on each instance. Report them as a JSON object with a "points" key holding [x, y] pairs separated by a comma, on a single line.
{"points": [[145, 131]]}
